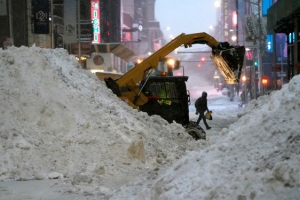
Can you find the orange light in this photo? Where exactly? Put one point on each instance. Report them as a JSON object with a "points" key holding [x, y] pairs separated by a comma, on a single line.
{"points": [[264, 80], [203, 59], [163, 73], [171, 62], [244, 78], [139, 60]]}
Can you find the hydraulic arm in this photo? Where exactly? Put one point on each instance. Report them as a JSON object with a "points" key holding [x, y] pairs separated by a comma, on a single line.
{"points": [[229, 60]]}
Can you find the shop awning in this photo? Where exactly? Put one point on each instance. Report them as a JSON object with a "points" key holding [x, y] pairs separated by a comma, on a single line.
{"points": [[117, 49]]}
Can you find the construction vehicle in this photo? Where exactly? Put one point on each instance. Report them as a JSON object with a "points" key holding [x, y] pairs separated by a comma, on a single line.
{"points": [[168, 96]]}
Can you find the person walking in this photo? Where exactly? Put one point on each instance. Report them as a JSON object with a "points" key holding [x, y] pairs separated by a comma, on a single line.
{"points": [[201, 107]]}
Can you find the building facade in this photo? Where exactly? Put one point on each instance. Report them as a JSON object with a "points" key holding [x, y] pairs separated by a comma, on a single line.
{"points": [[269, 29], [273, 47]]}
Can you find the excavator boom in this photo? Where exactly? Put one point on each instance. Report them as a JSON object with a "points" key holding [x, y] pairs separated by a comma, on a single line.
{"points": [[229, 60], [136, 74]]}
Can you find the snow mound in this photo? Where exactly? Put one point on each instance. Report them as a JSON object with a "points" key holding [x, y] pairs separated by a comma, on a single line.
{"points": [[59, 121], [257, 157]]}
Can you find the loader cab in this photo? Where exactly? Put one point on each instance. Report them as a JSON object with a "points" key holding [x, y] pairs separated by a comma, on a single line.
{"points": [[168, 97]]}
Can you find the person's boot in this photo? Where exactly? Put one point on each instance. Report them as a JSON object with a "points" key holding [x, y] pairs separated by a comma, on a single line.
{"points": [[207, 128]]}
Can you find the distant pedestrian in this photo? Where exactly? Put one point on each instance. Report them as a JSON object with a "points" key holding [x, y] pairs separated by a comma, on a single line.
{"points": [[237, 89], [201, 107], [231, 92]]}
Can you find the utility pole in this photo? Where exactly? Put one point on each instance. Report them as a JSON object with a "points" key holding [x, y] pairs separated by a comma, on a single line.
{"points": [[52, 25], [79, 35], [10, 21], [260, 35]]}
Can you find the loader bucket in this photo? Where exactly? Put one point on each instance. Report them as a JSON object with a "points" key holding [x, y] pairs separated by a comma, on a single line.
{"points": [[229, 60]]}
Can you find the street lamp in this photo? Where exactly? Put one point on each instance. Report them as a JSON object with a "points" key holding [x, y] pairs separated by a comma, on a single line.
{"points": [[234, 37], [167, 28], [244, 79]]}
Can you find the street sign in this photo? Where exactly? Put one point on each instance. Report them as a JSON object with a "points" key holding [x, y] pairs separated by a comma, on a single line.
{"points": [[7, 42], [281, 74], [261, 26], [252, 32], [140, 27]]}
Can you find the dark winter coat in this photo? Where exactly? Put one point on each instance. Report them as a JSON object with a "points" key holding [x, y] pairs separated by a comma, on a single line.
{"points": [[201, 103]]}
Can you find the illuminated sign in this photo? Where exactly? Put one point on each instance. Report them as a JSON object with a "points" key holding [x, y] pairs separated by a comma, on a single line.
{"points": [[269, 45], [234, 19], [95, 17]]}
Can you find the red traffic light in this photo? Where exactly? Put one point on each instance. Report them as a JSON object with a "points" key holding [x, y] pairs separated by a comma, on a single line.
{"points": [[264, 80]]}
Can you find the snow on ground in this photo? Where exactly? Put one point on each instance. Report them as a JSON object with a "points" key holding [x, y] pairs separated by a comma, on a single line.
{"points": [[60, 122]]}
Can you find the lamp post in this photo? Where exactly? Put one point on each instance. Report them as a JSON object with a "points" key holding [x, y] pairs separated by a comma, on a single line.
{"points": [[244, 79], [259, 37]]}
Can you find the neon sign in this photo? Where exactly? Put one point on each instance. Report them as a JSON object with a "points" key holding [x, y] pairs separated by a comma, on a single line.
{"points": [[234, 18], [95, 17]]}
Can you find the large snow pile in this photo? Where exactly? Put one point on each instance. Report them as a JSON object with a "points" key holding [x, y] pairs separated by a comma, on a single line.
{"points": [[59, 121], [257, 157]]}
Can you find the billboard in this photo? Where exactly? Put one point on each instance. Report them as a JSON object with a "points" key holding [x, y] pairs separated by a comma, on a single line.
{"points": [[70, 24], [95, 17], [41, 16]]}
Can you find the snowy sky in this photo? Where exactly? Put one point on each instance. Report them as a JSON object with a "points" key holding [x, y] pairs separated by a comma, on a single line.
{"points": [[189, 16], [60, 122]]}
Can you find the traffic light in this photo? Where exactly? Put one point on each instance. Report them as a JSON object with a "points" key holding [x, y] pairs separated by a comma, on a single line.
{"points": [[264, 80], [255, 62], [110, 27]]}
